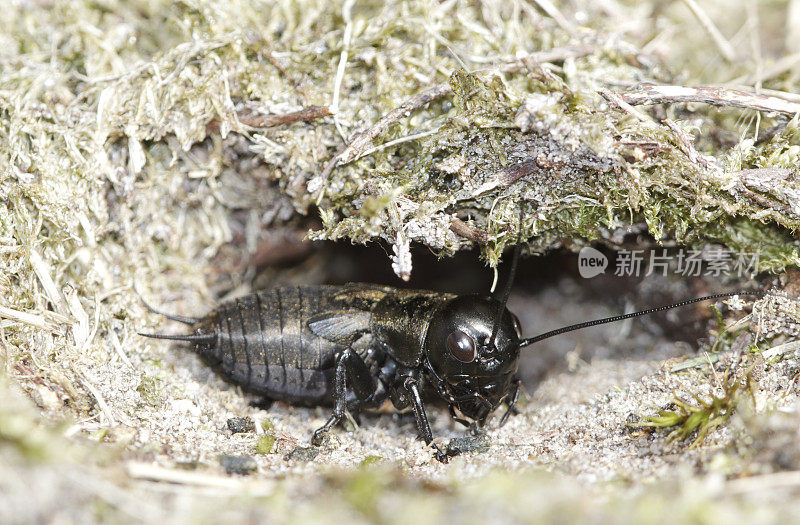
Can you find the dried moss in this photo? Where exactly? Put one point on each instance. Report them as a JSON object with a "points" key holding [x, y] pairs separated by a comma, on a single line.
{"points": [[592, 178]]}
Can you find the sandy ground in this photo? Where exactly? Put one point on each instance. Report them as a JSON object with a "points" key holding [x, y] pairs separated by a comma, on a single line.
{"points": [[157, 451]]}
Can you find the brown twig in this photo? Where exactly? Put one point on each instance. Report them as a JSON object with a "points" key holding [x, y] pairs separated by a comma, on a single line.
{"points": [[716, 96], [508, 176], [303, 115], [359, 144], [468, 231], [270, 121]]}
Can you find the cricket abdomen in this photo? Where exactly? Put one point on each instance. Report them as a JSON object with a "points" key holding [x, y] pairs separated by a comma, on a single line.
{"points": [[264, 344]]}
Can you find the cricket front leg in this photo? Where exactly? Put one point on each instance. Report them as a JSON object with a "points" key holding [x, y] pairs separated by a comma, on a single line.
{"points": [[411, 386], [511, 402]]}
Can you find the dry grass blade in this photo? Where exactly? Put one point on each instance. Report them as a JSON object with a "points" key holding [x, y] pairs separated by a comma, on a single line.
{"points": [[26, 318], [149, 472], [721, 42]]}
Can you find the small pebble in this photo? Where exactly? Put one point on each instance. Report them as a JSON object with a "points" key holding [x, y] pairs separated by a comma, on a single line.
{"points": [[329, 442], [239, 425], [461, 445], [243, 465], [302, 454]]}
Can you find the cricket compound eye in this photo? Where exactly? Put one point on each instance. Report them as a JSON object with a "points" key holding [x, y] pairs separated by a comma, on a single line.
{"points": [[461, 346], [517, 325]]}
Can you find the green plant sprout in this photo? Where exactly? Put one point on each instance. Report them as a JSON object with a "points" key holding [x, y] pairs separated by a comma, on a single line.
{"points": [[706, 415]]}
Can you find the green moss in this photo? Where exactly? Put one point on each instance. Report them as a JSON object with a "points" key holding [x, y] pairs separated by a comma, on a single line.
{"points": [[703, 417], [364, 488], [25, 436], [370, 460], [587, 178], [149, 391], [264, 444]]}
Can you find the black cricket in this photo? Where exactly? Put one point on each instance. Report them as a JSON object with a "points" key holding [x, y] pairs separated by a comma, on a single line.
{"points": [[355, 346]]}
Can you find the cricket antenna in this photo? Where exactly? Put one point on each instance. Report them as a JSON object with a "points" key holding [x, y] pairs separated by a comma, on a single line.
{"points": [[503, 298], [559, 331], [194, 338]]}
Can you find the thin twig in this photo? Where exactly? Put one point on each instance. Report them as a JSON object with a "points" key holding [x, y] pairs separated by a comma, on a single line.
{"points": [[685, 144], [507, 176], [618, 101], [785, 95], [42, 271], [716, 96], [359, 144], [101, 401], [779, 67], [552, 11], [721, 42], [270, 121], [115, 342], [717, 378], [785, 348], [407, 138], [303, 115], [468, 231]]}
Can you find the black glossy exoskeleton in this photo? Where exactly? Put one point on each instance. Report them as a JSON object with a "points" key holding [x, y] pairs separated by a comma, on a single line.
{"points": [[355, 346]]}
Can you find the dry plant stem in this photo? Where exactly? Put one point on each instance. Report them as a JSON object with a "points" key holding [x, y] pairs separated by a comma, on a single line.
{"points": [[617, 100], [686, 146], [25, 318], [548, 7], [509, 175], [145, 471], [303, 115], [716, 96], [467, 231], [721, 42], [361, 141], [270, 121], [359, 144]]}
